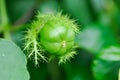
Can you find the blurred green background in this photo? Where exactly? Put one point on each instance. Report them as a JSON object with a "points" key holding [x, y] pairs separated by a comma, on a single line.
{"points": [[98, 55]]}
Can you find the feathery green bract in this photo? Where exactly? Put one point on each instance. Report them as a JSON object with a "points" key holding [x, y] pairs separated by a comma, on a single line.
{"points": [[33, 45]]}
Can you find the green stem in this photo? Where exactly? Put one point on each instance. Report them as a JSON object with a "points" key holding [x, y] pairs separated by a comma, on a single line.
{"points": [[3, 12], [6, 32], [4, 24], [119, 75]]}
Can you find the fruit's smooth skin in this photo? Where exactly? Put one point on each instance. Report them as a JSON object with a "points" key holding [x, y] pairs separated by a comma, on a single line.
{"points": [[57, 38]]}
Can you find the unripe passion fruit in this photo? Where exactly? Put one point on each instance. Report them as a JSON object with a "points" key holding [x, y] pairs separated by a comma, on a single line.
{"points": [[57, 38], [53, 33]]}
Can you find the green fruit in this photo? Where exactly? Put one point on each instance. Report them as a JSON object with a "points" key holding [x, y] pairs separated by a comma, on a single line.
{"points": [[57, 38], [53, 34]]}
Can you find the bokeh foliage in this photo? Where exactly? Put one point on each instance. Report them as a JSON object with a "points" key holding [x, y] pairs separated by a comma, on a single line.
{"points": [[98, 55]]}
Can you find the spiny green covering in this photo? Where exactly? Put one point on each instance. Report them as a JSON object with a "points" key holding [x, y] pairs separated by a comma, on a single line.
{"points": [[35, 37]]}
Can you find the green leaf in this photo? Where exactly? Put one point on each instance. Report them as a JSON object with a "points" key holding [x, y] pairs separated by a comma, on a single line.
{"points": [[111, 53], [94, 37], [78, 9], [105, 70], [50, 6], [107, 63], [90, 39], [12, 62]]}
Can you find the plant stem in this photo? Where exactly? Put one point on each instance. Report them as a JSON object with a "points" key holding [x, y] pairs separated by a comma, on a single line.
{"points": [[119, 75], [4, 24], [3, 13]]}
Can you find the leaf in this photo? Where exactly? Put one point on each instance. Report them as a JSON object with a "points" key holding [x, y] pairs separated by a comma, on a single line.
{"points": [[105, 70], [78, 9], [111, 53], [94, 37], [107, 63], [90, 39], [12, 62], [50, 6]]}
